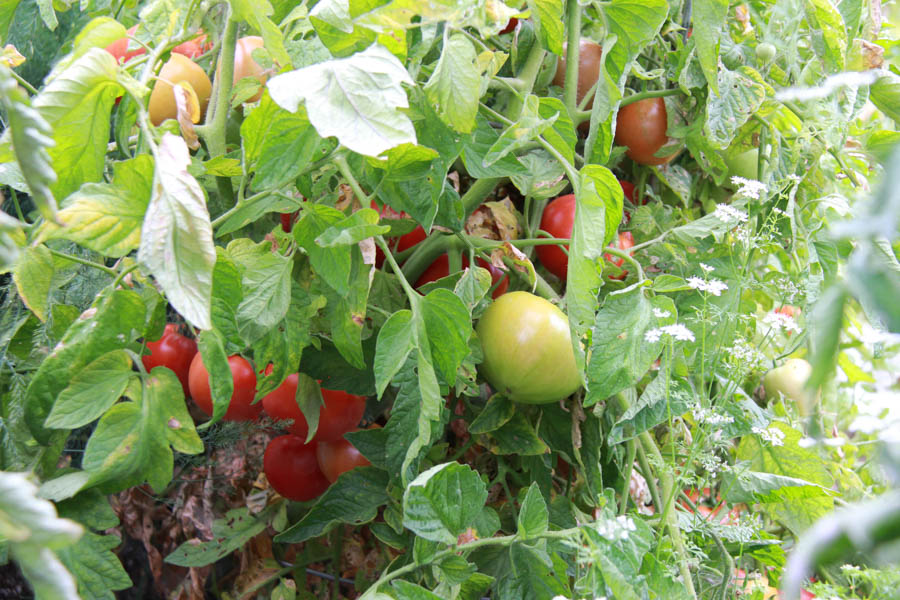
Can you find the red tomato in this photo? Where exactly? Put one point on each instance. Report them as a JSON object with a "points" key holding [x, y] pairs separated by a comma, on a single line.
{"points": [[628, 190], [240, 407], [198, 46], [510, 25], [338, 457], [641, 126], [340, 413], [292, 469], [287, 221], [789, 311], [174, 351], [557, 220], [119, 48], [406, 241], [441, 268], [624, 242]]}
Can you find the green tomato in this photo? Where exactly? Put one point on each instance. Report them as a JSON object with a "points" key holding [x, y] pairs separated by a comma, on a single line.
{"points": [[788, 381], [765, 53], [743, 164], [527, 347]]}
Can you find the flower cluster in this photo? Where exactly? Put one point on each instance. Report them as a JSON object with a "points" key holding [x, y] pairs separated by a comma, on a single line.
{"points": [[726, 213], [616, 529], [712, 286], [749, 187], [781, 321], [747, 355], [771, 435], [677, 331], [712, 464], [709, 416]]}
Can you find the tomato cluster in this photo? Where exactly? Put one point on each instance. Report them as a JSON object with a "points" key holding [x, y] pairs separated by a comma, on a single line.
{"points": [[297, 470]]}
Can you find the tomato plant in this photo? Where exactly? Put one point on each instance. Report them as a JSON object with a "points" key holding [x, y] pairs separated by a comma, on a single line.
{"points": [[173, 351], [788, 382], [589, 61], [198, 46], [177, 69], [240, 406], [338, 457], [527, 350], [624, 241], [641, 127], [339, 413], [292, 469], [441, 268], [119, 48], [405, 241]]}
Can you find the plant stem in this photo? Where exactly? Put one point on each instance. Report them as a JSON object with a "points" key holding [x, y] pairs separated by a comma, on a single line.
{"points": [[726, 557], [31, 89], [573, 43], [630, 451], [344, 167], [213, 131], [648, 477], [650, 94], [83, 261], [123, 273], [526, 79], [627, 256]]}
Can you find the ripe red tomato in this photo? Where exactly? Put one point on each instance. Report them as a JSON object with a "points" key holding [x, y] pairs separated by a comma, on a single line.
{"points": [[339, 414], [174, 351], [240, 407], [287, 221], [338, 457], [510, 25], [557, 220], [119, 48], [441, 268], [589, 63], [292, 469], [628, 190], [624, 242], [641, 127], [405, 241], [198, 46]]}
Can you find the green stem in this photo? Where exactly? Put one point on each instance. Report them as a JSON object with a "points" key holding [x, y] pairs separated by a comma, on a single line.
{"points": [[526, 79], [627, 256], [573, 43], [15, 198], [850, 174], [82, 261], [630, 451], [648, 477], [410, 292], [343, 166], [213, 131], [122, 275], [728, 562], [651, 94], [477, 192], [31, 89]]}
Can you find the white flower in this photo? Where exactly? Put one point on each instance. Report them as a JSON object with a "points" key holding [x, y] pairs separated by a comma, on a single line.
{"points": [[712, 286], [778, 211], [745, 354], [772, 435], [679, 332], [652, 336], [710, 417], [781, 321], [707, 268], [749, 187], [660, 313], [726, 213]]}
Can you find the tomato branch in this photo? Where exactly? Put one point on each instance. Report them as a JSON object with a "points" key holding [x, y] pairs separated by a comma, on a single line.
{"points": [[83, 261], [573, 43], [649, 94]]}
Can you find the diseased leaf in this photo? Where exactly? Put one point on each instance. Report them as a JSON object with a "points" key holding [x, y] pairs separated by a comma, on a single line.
{"points": [[443, 502], [231, 532]]}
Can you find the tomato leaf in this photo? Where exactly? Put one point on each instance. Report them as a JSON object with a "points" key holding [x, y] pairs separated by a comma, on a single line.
{"points": [[533, 515], [405, 590], [358, 226], [444, 501], [449, 326], [337, 30], [353, 499], [708, 21], [517, 436], [549, 23], [92, 391], [475, 147], [332, 264], [266, 284], [527, 128], [450, 89], [533, 574], [659, 400], [496, 413], [107, 217], [231, 532], [355, 99], [176, 240], [828, 24], [96, 568], [227, 295], [221, 382], [33, 276], [743, 92], [395, 343]]}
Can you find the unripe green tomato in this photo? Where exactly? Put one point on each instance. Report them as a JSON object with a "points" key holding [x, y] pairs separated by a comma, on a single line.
{"points": [[742, 165], [788, 381], [765, 52], [178, 68], [528, 353]]}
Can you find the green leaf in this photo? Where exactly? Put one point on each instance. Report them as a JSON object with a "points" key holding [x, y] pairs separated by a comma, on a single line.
{"points": [[212, 353], [451, 87], [405, 590], [533, 575], [96, 568], [561, 133], [533, 515], [33, 532], [355, 99], [29, 134], [164, 390], [176, 240], [874, 278], [115, 320], [827, 24], [227, 295], [279, 144], [257, 13], [444, 501], [332, 264], [742, 93], [497, 412], [708, 22], [107, 217], [456, 569], [527, 128], [885, 94], [741, 485], [353, 499], [358, 226], [549, 23], [517, 436], [659, 400], [788, 459], [827, 320], [597, 214], [229, 533], [448, 324], [620, 356], [266, 283], [395, 342], [334, 22], [33, 275], [476, 146], [92, 391]]}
